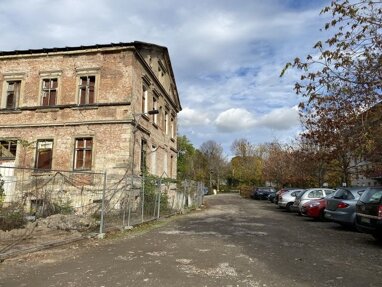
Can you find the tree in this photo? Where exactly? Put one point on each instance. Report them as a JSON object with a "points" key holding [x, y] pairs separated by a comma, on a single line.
{"points": [[216, 164], [186, 158], [246, 166], [344, 81]]}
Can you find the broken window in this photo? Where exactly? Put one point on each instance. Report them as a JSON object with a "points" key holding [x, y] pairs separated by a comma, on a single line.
{"points": [[49, 92], [144, 99], [87, 90], [8, 149], [165, 123], [13, 92], [44, 154], [143, 155], [155, 107], [83, 153], [172, 126]]}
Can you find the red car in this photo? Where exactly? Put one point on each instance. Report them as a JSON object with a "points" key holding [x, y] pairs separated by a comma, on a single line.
{"points": [[314, 208]]}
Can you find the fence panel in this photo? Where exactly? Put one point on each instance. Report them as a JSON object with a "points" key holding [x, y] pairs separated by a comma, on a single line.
{"points": [[105, 200]]}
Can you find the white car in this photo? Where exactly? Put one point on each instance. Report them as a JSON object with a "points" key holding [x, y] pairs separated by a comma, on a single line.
{"points": [[286, 199], [313, 193]]}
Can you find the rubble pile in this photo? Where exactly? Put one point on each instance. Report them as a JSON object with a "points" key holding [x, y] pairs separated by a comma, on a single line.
{"points": [[67, 222]]}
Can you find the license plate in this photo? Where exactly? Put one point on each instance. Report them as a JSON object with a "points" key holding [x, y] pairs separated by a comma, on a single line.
{"points": [[365, 220]]}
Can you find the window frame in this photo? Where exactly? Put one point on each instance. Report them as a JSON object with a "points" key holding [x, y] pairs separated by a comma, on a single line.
{"points": [[90, 89], [85, 151], [143, 156], [10, 144], [49, 90], [144, 99], [39, 157], [155, 107], [12, 77], [87, 72]]}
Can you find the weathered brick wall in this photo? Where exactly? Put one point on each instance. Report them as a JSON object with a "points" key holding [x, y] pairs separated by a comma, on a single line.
{"points": [[119, 80]]}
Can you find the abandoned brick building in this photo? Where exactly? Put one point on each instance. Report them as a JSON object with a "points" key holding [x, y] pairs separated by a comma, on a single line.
{"points": [[88, 109]]}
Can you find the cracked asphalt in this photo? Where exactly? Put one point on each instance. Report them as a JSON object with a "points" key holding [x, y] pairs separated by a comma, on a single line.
{"points": [[233, 242]]}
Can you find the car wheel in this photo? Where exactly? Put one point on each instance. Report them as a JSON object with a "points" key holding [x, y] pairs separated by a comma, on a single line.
{"points": [[287, 207]]}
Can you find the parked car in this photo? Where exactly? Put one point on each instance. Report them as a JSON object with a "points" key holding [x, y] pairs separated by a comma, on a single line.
{"points": [[294, 206], [272, 196], [369, 212], [287, 198], [341, 207], [262, 192], [281, 191], [312, 193], [315, 208]]}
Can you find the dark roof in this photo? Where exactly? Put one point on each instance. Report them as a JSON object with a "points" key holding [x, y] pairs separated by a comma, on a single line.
{"points": [[68, 49]]}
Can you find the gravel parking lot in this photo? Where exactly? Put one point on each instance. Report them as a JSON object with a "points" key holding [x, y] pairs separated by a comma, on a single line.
{"points": [[232, 242]]}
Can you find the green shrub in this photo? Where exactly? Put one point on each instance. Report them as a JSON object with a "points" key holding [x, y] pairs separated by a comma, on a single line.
{"points": [[12, 217]]}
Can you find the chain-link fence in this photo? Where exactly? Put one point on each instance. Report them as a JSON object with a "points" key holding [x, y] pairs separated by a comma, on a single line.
{"points": [[95, 202]]}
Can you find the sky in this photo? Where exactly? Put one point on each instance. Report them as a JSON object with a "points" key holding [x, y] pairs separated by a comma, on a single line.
{"points": [[227, 55]]}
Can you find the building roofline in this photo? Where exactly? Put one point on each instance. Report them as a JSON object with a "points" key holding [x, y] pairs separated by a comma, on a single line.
{"points": [[77, 48]]}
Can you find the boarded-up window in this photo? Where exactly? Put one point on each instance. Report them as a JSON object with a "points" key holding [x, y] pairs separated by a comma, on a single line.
{"points": [[8, 149], [13, 92], [44, 154], [83, 153], [87, 90], [49, 92]]}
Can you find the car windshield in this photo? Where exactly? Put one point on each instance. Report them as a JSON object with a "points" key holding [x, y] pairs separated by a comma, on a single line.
{"points": [[343, 194], [372, 195]]}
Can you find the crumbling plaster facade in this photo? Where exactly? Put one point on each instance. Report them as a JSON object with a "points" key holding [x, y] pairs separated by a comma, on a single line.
{"points": [[100, 96]]}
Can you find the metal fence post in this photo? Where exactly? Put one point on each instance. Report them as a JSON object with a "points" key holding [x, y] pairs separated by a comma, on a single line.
{"points": [[143, 196], [159, 195], [101, 227]]}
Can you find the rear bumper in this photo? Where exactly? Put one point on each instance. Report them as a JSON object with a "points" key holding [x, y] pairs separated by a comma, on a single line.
{"points": [[368, 225], [340, 217]]}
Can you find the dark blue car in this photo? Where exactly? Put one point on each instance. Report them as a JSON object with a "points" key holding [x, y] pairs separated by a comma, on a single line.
{"points": [[262, 192]]}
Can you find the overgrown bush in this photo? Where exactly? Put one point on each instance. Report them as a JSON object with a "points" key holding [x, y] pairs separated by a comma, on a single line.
{"points": [[12, 217], [57, 207], [151, 198]]}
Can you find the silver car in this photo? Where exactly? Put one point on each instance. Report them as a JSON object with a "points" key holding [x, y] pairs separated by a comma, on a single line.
{"points": [[312, 193], [287, 198], [341, 207]]}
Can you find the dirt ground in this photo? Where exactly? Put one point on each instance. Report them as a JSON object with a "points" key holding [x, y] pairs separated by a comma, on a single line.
{"points": [[44, 233]]}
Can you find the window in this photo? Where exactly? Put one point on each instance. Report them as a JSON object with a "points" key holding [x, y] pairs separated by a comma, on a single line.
{"points": [[83, 153], [13, 93], [171, 166], [143, 155], [44, 154], [87, 90], [172, 127], [155, 107], [165, 122], [8, 149], [144, 99], [316, 194], [49, 92]]}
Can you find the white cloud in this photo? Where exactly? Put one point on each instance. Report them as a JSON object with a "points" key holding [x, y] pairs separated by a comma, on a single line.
{"points": [[189, 117], [227, 55], [234, 120], [280, 119]]}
